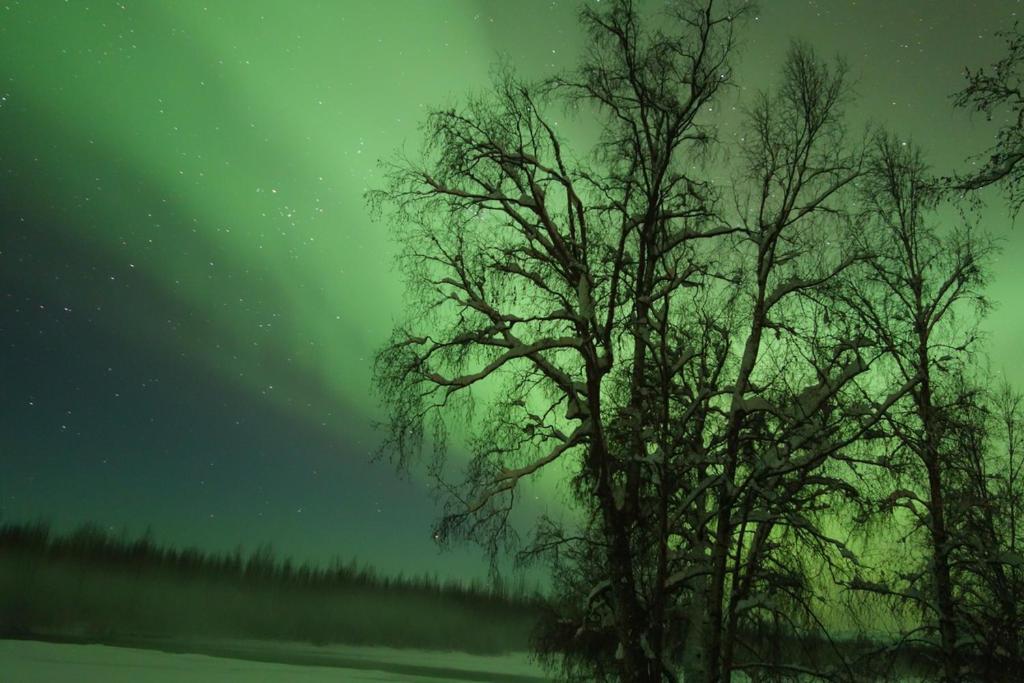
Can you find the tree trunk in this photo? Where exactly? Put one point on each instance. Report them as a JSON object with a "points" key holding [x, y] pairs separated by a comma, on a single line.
{"points": [[939, 534], [943, 583], [723, 529], [630, 622], [695, 664]]}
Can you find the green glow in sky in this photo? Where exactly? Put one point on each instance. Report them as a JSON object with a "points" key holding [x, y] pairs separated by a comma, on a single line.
{"points": [[188, 178]]}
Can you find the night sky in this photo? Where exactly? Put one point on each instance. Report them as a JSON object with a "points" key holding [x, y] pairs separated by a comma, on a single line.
{"points": [[191, 288]]}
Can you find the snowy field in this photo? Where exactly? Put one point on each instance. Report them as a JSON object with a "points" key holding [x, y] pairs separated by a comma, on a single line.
{"points": [[28, 661]]}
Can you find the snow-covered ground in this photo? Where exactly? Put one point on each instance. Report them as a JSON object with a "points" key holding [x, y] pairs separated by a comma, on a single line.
{"points": [[28, 661]]}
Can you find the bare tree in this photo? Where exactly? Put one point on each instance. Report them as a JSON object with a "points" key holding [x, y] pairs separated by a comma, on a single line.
{"points": [[532, 273], [913, 299], [988, 570], [996, 92], [619, 322], [777, 434]]}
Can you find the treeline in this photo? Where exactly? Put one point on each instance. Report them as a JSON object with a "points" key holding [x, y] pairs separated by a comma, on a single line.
{"points": [[93, 544], [95, 584]]}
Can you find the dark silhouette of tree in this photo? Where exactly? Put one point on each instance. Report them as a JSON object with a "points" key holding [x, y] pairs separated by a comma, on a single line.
{"points": [[662, 341], [996, 91], [988, 569], [916, 298], [535, 274]]}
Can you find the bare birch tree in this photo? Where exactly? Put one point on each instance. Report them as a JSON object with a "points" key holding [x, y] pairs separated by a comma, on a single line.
{"points": [[987, 566], [919, 299], [618, 321], [534, 273]]}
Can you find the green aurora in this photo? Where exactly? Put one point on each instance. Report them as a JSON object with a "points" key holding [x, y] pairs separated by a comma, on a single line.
{"points": [[191, 288]]}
